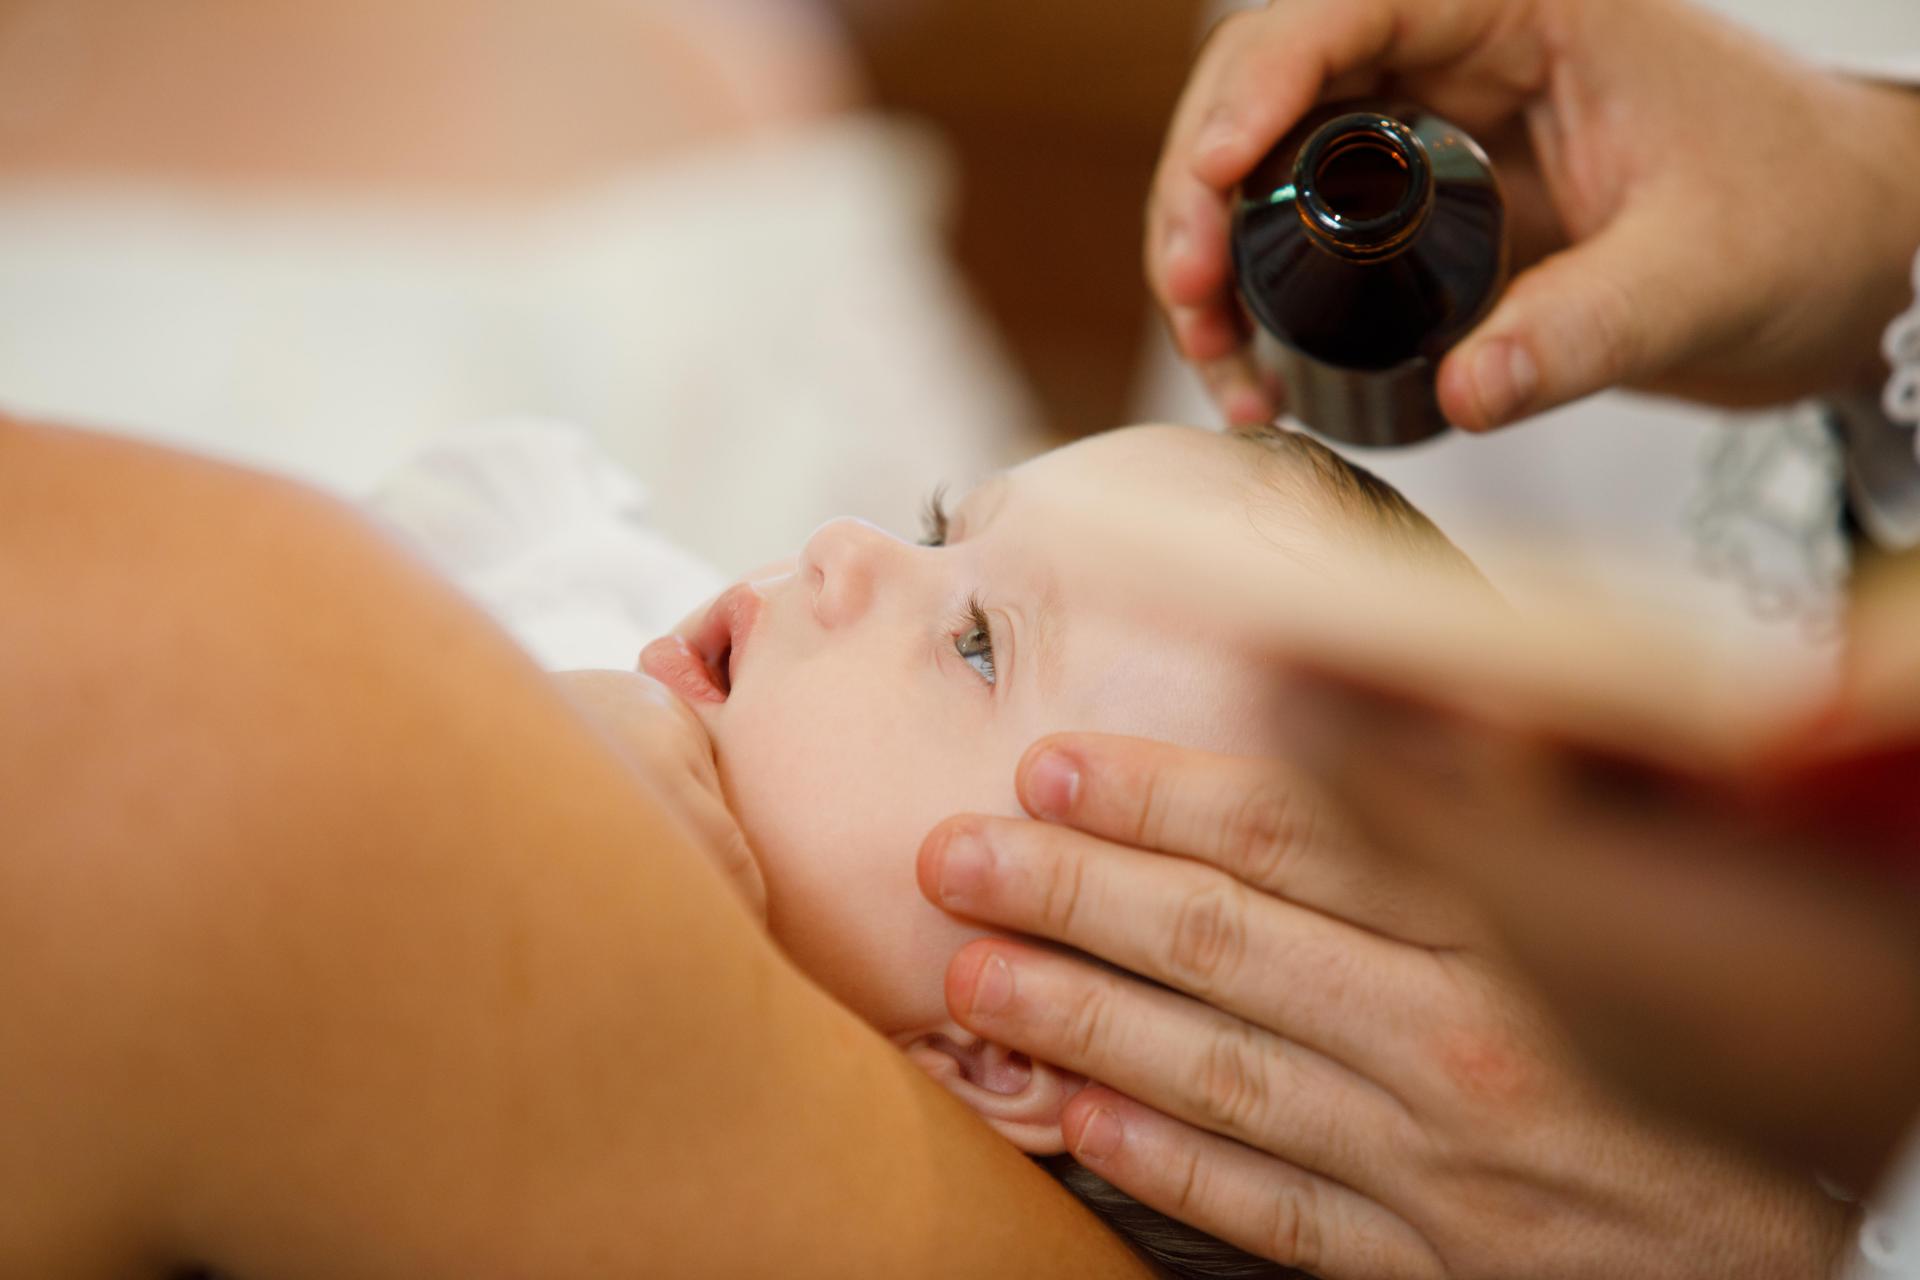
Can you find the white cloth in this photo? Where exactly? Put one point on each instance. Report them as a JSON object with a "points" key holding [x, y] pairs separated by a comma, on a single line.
{"points": [[769, 330], [1887, 1246], [548, 533], [1902, 349], [1883, 445]]}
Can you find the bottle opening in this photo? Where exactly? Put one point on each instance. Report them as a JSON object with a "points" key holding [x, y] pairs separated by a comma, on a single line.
{"points": [[1362, 178], [1365, 186]]}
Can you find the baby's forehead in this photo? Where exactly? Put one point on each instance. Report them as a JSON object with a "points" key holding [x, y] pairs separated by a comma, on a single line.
{"points": [[1176, 490], [1168, 461], [1095, 524]]}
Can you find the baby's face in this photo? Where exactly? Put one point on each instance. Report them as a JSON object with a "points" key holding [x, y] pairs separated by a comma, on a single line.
{"points": [[855, 699]]}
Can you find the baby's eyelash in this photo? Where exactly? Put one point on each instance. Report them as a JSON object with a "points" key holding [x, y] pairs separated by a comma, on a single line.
{"points": [[933, 519], [974, 641], [977, 615]]}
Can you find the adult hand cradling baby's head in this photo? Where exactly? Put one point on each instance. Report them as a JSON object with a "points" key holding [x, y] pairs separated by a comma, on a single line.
{"points": [[672, 752]]}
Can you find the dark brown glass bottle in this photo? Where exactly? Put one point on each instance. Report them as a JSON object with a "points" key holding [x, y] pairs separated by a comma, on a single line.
{"points": [[1364, 246]]}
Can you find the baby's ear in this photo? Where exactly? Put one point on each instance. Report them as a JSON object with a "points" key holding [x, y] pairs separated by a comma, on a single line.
{"points": [[1020, 1098]]}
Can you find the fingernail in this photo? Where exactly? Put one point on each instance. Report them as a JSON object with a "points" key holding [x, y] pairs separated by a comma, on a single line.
{"points": [[992, 989], [965, 863], [1099, 1137], [1053, 781], [1506, 378], [1239, 400]]}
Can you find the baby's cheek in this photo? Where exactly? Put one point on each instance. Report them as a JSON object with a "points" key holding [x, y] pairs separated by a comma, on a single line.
{"points": [[843, 899], [837, 787]]}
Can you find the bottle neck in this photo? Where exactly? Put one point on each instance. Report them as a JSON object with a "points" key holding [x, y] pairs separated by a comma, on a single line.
{"points": [[1363, 185]]}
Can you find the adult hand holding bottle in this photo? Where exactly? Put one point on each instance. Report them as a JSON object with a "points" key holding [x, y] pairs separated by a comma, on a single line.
{"points": [[1693, 211]]}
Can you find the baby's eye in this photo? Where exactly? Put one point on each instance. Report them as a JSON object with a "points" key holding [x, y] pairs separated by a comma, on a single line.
{"points": [[975, 644]]}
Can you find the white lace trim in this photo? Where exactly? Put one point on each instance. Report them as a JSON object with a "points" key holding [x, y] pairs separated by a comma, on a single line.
{"points": [[1766, 516], [1902, 349]]}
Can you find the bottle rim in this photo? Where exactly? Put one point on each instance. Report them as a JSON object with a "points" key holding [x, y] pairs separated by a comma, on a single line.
{"points": [[1363, 132]]}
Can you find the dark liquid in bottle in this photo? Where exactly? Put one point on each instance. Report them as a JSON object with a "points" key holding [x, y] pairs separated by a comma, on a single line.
{"points": [[1366, 244], [1361, 180]]}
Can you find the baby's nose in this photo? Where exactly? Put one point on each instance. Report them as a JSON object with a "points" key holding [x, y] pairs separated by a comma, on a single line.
{"points": [[842, 565]]}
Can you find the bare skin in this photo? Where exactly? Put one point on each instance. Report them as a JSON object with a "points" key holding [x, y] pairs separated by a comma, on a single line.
{"points": [[333, 942]]}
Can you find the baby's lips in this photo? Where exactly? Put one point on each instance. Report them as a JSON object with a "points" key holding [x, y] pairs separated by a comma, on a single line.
{"points": [[672, 661]]}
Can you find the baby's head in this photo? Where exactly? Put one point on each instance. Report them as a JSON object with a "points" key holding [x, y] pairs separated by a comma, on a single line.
{"points": [[874, 685]]}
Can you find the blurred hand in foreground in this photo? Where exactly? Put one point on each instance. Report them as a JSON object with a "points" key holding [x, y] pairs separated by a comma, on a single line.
{"points": [[1321, 1060], [1735, 935], [1697, 212]]}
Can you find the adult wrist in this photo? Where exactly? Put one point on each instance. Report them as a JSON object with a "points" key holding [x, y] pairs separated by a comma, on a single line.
{"points": [[1885, 136], [1868, 411]]}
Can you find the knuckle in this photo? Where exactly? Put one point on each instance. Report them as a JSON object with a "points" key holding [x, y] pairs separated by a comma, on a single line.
{"points": [[1232, 1092], [1089, 1029], [1486, 1069], [1615, 332], [1153, 819], [1191, 1186], [1062, 892], [1291, 1231], [1260, 829], [1209, 940], [1226, 32]]}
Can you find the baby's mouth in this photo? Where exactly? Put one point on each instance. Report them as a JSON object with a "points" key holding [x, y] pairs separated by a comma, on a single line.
{"points": [[701, 666], [722, 635]]}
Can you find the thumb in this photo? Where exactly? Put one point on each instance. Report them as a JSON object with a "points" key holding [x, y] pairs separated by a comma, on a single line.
{"points": [[1614, 308]]}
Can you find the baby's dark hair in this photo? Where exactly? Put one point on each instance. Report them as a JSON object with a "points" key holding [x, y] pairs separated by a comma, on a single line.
{"points": [[1353, 492], [1312, 473], [1174, 1249]]}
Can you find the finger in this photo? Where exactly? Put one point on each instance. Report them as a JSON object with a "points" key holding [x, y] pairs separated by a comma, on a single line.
{"points": [[1255, 819], [1194, 1062], [1187, 266], [1245, 397], [1621, 307], [1255, 76], [1189, 272], [1249, 1199], [1356, 996], [1280, 63]]}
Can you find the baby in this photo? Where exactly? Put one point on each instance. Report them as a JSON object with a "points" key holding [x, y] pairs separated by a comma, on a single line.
{"points": [[856, 695]]}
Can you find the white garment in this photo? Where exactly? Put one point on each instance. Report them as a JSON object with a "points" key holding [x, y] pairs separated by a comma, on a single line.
{"points": [[547, 533], [1887, 1246], [1883, 447], [769, 330], [1902, 349]]}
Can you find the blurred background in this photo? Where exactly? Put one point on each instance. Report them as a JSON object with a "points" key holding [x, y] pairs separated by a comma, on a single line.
{"points": [[784, 259]]}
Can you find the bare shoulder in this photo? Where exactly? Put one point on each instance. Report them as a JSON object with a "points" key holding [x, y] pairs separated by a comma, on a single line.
{"points": [[332, 938]]}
